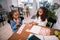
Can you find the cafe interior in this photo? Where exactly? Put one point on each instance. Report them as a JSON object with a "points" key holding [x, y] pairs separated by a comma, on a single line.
{"points": [[27, 10]]}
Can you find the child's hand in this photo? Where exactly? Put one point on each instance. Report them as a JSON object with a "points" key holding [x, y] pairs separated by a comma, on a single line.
{"points": [[17, 24], [25, 23], [33, 23]]}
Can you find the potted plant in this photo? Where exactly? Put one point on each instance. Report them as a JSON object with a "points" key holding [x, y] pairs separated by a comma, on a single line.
{"points": [[52, 17]]}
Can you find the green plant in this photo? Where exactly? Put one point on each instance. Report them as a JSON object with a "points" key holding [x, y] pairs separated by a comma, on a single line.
{"points": [[57, 34], [51, 9]]}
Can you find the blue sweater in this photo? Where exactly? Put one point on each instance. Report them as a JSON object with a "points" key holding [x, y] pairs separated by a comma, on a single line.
{"points": [[13, 24]]}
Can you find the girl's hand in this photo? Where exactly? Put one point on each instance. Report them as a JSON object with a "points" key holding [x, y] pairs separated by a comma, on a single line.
{"points": [[25, 23], [17, 23], [33, 23]]}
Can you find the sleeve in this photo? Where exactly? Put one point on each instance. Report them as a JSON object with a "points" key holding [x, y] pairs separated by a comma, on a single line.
{"points": [[35, 20], [13, 26]]}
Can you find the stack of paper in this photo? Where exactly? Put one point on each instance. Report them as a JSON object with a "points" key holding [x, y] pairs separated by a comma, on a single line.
{"points": [[40, 30], [20, 29], [35, 29], [52, 37]]}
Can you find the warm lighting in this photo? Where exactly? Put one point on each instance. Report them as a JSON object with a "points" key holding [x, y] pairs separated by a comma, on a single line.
{"points": [[19, 0]]}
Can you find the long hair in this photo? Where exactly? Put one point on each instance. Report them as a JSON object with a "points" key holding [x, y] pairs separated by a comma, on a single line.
{"points": [[10, 16], [44, 15]]}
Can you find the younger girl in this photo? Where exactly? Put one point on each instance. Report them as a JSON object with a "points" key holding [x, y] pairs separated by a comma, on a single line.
{"points": [[15, 21]]}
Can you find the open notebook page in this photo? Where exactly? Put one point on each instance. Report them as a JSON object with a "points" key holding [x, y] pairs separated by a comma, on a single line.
{"points": [[20, 29], [35, 29]]}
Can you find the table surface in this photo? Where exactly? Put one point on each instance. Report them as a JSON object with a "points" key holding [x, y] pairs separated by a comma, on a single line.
{"points": [[24, 35]]}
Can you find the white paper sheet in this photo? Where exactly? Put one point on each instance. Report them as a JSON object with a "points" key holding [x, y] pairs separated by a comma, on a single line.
{"points": [[20, 29], [52, 37], [35, 29], [39, 30]]}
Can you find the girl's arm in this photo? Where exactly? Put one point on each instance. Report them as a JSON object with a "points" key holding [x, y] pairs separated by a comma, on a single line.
{"points": [[13, 25], [33, 23]]}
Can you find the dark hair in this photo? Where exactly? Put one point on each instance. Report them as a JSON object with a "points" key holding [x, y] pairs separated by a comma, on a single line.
{"points": [[44, 15], [10, 16]]}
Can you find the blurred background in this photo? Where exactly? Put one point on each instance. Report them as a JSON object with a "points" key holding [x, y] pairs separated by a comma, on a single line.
{"points": [[7, 6]]}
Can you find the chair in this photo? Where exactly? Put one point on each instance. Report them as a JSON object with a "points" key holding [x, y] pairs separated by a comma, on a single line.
{"points": [[33, 17], [51, 22], [1, 19], [20, 10], [22, 18], [0, 6]]}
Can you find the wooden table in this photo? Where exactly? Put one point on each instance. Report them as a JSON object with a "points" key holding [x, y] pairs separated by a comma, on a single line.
{"points": [[24, 35]]}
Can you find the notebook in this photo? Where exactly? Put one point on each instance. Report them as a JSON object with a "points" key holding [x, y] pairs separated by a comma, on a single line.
{"points": [[39, 30], [32, 37], [20, 29], [35, 29]]}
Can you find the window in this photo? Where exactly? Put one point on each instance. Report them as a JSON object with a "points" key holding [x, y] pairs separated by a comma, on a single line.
{"points": [[28, 2], [44, 2]]}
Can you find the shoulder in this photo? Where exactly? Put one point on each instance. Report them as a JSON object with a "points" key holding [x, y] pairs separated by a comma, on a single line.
{"points": [[19, 18], [11, 21]]}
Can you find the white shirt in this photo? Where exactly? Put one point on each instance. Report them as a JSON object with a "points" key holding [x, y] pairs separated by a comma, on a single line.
{"points": [[40, 22]]}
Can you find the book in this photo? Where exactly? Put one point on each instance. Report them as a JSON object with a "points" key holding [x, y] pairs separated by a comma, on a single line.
{"points": [[40, 30], [33, 37]]}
